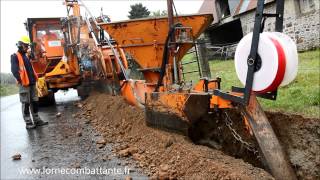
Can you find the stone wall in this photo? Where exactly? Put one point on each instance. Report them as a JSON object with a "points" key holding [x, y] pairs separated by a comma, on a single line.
{"points": [[303, 28]]}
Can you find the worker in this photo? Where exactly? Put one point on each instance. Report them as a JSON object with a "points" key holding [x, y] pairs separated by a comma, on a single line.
{"points": [[26, 77]]}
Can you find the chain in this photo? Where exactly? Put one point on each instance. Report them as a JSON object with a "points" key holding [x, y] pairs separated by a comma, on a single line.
{"points": [[248, 146]]}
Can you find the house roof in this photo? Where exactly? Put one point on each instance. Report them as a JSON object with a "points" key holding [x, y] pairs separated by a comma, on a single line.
{"points": [[208, 6], [247, 5]]}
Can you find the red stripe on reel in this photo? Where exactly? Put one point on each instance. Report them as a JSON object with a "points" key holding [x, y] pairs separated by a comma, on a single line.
{"points": [[281, 68]]}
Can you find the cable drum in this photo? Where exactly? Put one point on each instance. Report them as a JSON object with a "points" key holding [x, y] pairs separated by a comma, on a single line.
{"points": [[279, 61]]}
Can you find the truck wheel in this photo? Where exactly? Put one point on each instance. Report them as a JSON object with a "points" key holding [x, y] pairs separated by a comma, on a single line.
{"points": [[48, 100], [83, 90]]}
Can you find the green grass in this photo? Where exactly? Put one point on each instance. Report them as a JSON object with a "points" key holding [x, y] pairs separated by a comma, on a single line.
{"points": [[300, 97], [8, 89]]}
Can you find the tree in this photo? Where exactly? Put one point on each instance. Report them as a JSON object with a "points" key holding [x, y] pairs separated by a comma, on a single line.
{"points": [[159, 13], [138, 11]]}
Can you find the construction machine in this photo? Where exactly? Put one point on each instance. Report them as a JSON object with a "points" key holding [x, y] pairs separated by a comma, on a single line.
{"points": [[157, 46], [61, 53]]}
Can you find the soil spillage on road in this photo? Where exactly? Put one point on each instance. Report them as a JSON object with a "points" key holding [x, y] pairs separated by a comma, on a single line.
{"points": [[169, 155], [66, 148]]}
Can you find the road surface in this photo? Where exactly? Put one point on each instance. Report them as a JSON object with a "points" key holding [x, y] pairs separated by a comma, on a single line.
{"points": [[56, 151]]}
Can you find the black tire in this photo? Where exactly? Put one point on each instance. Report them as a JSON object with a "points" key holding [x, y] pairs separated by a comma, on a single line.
{"points": [[48, 100], [84, 90]]}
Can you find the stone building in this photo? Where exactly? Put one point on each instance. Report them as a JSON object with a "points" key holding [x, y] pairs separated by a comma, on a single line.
{"points": [[235, 18]]}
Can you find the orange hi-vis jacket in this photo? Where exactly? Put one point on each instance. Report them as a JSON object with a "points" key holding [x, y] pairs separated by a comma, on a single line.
{"points": [[23, 72]]}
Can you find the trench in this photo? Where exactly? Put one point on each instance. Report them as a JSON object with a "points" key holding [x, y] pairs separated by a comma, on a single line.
{"points": [[236, 141], [299, 137]]}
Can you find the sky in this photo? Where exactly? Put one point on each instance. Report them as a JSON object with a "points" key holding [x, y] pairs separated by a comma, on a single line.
{"points": [[14, 13]]}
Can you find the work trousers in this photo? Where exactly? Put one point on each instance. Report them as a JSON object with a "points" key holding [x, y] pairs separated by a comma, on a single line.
{"points": [[29, 100]]}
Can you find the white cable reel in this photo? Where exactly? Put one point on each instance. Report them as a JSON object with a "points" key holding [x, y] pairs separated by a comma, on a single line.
{"points": [[279, 61]]}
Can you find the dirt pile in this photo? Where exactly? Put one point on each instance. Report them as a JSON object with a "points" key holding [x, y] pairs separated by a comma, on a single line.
{"points": [[300, 138], [168, 155], [161, 154]]}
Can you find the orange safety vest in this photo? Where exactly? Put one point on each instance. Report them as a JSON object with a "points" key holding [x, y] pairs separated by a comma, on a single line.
{"points": [[23, 72]]}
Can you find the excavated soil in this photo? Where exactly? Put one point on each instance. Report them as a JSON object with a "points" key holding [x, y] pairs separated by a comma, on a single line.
{"points": [[300, 138], [165, 155]]}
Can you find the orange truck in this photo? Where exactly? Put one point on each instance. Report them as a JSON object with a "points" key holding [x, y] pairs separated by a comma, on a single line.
{"points": [[48, 58], [60, 53], [66, 53]]}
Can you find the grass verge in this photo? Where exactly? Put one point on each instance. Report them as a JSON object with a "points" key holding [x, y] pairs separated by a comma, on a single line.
{"points": [[8, 89]]}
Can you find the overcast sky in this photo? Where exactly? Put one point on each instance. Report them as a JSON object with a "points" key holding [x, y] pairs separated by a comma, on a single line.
{"points": [[14, 13]]}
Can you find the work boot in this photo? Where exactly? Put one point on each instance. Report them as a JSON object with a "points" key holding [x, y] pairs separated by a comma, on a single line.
{"points": [[29, 124], [38, 121]]}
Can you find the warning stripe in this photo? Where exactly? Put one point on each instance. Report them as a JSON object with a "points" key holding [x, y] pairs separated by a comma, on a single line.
{"points": [[281, 68]]}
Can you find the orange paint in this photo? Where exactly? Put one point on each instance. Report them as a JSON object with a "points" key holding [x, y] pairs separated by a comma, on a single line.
{"points": [[144, 39]]}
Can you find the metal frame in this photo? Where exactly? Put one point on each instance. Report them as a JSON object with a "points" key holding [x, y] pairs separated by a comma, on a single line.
{"points": [[253, 59]]}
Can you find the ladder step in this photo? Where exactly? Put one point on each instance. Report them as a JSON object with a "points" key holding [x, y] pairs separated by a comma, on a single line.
{"points": [[189, 52], [189, 62], [188, 72]]}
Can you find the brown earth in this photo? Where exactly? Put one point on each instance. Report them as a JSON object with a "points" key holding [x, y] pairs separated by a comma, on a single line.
{"points": [[301, 140], [169, 155]]}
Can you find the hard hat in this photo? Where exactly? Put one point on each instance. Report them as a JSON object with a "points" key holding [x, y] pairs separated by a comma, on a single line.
{"points": [[25, 39]]}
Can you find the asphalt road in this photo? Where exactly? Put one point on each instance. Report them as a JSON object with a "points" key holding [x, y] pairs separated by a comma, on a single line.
{"points": [[56, 151]]}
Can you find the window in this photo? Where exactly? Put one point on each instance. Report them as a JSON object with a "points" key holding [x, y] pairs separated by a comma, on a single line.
{"points": [[53, 32]]}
